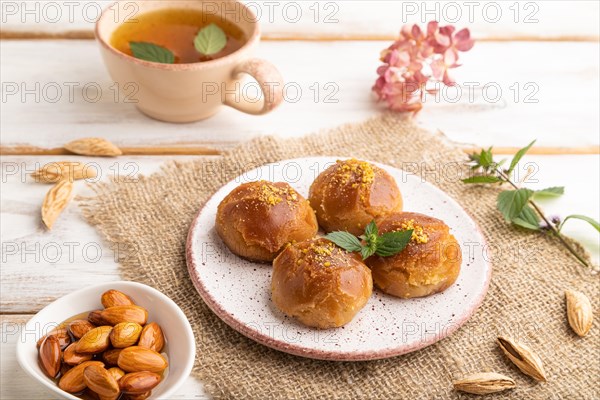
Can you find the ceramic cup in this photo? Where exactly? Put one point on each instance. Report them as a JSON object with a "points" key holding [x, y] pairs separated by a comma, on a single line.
{"points": [[191, 92]]}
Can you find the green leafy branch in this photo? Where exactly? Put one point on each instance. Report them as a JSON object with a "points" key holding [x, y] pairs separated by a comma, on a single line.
{"points": [[383, 245], [518, 206]]}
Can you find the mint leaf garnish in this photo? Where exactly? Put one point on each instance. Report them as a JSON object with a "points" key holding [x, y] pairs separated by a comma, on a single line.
{"points": [[210, 40], [152, 52], [384, 245]]}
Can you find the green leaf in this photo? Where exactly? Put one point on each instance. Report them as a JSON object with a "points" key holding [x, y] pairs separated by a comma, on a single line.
{"points": [[210, 40], [368, 251], [511, 202], [486, 158], [482, 179], [528, 219], [151, 52], [345, 240], [589, 220], [371, 230], [518, 157], [555, 191], [391, 243]]}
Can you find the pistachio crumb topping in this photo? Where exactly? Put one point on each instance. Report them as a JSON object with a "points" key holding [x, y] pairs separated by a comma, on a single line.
{"points": [[272, 195], [355, 171], [418, 234], [322, 253]]}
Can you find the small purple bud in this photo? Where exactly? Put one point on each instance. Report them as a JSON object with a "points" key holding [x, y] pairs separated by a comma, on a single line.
{"points": [[555, 219]]}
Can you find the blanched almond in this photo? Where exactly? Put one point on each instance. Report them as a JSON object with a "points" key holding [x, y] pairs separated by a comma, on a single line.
{"points": [[71, 357], [72, 381], [80, 327], [117, 314], [139, 382], [112, 298], [135, 358], [95, 341], [152, 337], [49, 356], [125, 334], [100, 381]]}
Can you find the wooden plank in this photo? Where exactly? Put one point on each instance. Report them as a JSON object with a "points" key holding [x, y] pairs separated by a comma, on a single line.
{"points": [[39, 266], [339, 20], [551, 101], [127, 151], [16, 384], [203, 151]]}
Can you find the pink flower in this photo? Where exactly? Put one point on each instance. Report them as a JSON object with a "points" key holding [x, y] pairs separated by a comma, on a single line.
{"points": [[416, 59]]}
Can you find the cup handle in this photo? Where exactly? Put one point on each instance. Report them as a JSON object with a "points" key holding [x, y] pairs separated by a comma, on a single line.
{"points": [[268, 78]]}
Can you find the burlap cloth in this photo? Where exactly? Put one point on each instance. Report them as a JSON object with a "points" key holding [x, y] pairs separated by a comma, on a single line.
{"points": [[525, 298]]}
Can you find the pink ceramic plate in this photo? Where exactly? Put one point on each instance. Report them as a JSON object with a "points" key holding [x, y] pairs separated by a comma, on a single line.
{"points": [[238, 291]]}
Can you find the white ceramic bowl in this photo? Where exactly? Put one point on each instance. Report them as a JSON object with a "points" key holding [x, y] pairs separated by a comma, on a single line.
{"points": [[181, 347]]}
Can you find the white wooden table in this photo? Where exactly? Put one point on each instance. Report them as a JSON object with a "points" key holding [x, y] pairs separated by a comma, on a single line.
{"points": [[553, 62]]}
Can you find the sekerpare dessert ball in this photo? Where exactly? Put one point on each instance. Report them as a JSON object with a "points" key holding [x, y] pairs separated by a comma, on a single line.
{"points": [[351, 193], [257, 219], [320, 284], [429, 264]]}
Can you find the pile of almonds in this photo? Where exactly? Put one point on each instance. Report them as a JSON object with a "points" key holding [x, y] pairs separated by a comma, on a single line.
{"points": [[113, 352]]}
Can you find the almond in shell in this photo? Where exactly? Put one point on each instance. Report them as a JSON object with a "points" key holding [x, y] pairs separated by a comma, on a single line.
{"points": [[136, 358], [139, 382], [49, 356], [69, 170], [523, 357], [72, 381], [579, 312], [484, 383], [80, 327], [113, 298], [71, 357], [93, 147], [95, 341], [117, 314], [152, 337], [55, 202], [101, 381], [125, 334]]}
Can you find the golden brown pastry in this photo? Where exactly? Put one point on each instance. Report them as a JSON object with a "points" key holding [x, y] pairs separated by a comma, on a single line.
{"points": [[429, 264], [320, 284], [350, 194], [257, 219]]}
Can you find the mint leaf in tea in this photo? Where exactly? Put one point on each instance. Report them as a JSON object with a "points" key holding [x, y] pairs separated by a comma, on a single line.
{"points": [[190, 36], [210, 40], [151, 52]]}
